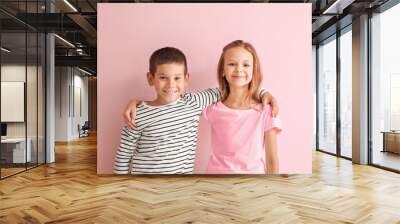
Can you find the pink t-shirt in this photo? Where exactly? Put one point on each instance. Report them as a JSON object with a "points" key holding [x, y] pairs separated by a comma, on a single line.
{"points": [[237, 138]]}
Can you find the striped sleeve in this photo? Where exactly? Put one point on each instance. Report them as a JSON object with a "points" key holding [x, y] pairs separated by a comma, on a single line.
{"points": [[262, 91], [126, 150], [204, 98]]}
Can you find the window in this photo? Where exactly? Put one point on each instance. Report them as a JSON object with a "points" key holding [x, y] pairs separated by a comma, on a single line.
{"points": [[385, 88], [346, 92], [327, 96]]}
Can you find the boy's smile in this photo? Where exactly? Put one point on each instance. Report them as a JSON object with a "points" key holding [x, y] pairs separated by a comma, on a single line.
{"points": [[169, 82]]}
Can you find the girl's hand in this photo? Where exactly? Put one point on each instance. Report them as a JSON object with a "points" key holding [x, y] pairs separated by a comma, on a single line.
{"points": [[130, 113], [266, 99]]}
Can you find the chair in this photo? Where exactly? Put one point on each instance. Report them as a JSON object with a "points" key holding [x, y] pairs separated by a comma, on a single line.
{"points": [[84, 130]]}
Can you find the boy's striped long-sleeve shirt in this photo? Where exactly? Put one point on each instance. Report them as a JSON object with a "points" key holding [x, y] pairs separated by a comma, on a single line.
{"points": [[164, 139]]}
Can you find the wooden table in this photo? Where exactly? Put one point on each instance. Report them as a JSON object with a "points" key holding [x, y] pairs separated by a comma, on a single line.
{"points": [[391, 141]]}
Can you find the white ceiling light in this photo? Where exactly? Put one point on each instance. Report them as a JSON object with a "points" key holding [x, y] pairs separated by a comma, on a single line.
{"points": [[86, 72], [64, 40], [71, 6], [5, 49], [337, 7]]}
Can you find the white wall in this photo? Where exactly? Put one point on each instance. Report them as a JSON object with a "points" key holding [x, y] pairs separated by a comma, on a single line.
{"points": [[80, 110], [62, 78], [34, 125], [71, 93], [12, 73]]}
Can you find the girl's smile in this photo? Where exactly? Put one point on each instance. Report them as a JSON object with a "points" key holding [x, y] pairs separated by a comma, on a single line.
{"points": [[238, 67]]}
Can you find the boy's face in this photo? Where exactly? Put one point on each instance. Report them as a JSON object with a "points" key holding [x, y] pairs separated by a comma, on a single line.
{"points": [[169, 81]]}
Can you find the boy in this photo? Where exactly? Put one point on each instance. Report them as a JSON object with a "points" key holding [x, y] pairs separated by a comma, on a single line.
{"points": [[165, 136]]}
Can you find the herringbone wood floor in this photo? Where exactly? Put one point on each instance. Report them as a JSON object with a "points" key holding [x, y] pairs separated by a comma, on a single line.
{"points": [[70, 191]]}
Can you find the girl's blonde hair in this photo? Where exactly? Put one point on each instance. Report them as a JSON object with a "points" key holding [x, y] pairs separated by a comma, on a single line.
{"points": [[256, 81]]}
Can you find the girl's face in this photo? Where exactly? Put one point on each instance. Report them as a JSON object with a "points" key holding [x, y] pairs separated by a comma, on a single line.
{"points": [[238, 67]]}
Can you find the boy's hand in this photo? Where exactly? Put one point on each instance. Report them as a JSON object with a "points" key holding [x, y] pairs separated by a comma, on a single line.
{"points": [[130, 113], [266, 99]]}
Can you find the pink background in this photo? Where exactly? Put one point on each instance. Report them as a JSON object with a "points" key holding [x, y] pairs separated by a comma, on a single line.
{"points": [[281, 34]]}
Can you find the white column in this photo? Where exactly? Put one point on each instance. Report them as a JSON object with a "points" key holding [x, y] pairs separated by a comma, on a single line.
{"points": [[360, 90], [50, 100], [50, 91]]}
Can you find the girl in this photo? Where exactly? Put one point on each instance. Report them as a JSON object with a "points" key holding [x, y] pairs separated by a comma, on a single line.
{"points": [[243, 132]]}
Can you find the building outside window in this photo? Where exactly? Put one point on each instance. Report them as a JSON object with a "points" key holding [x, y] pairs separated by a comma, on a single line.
{"points": [[327, 95], [346, 92], [385, 88]]}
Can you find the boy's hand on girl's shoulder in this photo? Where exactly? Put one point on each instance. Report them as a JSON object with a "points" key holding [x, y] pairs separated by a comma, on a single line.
{"points": [[130, 114], [275, 107], [267, 98]]}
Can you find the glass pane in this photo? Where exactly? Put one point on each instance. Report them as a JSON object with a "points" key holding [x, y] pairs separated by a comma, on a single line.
{"points": [[23, 88], [13, 86], [386, 89], [346, 93], [41, 98], [327, 96], [314, 60], [31, 100], [31, 82]]}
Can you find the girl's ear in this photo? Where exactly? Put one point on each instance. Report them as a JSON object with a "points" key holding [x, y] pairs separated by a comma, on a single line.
{"points": [[150, 78]]}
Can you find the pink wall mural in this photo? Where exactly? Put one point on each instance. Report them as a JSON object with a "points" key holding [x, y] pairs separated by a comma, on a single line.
{"points": [[281, 34]]}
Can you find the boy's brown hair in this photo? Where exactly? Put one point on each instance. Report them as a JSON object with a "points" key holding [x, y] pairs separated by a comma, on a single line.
{"points": [[166, 55]]}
